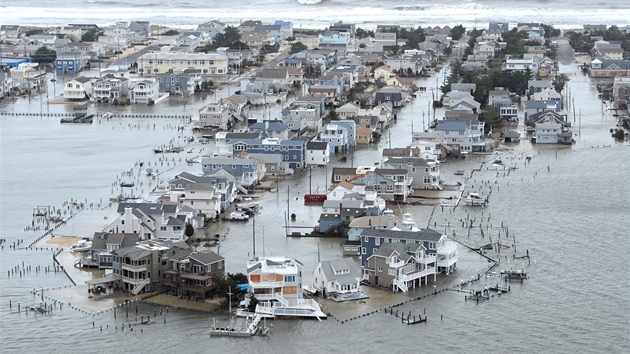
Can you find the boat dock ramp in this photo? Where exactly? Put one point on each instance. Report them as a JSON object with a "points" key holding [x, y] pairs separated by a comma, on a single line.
{"points": [[248, 328]]}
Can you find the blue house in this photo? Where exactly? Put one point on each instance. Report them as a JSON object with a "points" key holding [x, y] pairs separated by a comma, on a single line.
{"points": [[292, 151], [68, 64]]}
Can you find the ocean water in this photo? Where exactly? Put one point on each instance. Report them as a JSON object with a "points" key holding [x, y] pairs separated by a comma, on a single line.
{"points": [[319, 13], [569, 208]]}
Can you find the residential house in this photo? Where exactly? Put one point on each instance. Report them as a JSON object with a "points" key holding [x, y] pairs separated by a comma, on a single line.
{"points": [[139, 267], [11, 31], [601, 67], [382, 72], [364, 135], [317, 153], [383, 222], [391, 184], [194, 274], [534, 86], [152, 221], [400, 266], [286, 27], [533, 107], [244, 170], [217, 115], [340, 135], [435, 244], [79, 89], [339, 278], [305, 113], [225, 186], [203, 198], [144, 91], [103, 243], [425, 174], [180, 82], [389, 95], [521, 64], [211, 28], [275, 31], [70, 63], [140, 28], [162, 62], [292, 151], [276, 282], [270, 129], [464, 135], [551, 128], [348, 110], [109, 89], [29, 76]]}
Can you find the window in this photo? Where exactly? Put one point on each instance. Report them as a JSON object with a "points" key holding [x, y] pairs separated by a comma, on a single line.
{"points": [[380, 269], [163, 228], [289, 278], [363, 250], [377, 241]]}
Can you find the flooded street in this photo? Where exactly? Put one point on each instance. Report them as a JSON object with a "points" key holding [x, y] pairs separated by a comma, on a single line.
{"points": [[568, 207]]}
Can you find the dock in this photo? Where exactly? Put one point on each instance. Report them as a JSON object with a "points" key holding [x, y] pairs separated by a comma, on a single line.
{"points": [[82, 119], [406, 319], [479, 295], [248, 328]]}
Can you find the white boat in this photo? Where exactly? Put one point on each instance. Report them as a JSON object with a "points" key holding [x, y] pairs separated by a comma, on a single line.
{"points": [[148, 171], [475, 199], [108, 115], [81, 246], [247, 203], [409, 222]]}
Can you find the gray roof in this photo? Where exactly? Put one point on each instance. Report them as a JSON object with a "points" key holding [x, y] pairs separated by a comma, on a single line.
{"points": [[343, 264], [423, 235], [206, 257], [134, 253], [316, 145], [413, 161], [404, 250], [102, 239]]}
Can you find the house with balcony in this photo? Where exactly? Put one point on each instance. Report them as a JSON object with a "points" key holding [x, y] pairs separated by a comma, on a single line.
{"points": [[103, 244], [338, 279], [79, 89], [463, 134], [391, 184], [270, 129], [292, 151], [151, 221], [245, 171], [224, 188], [551, 128], [400, 266], [381, 222], [217, 115], [425, 173], [340, 135], [162, 62], [139, 268], [110, 89], [521, 64], [194, 274], [180, 82], [435, 244], [276, 282], [304, 114], [144, 91], [211, 28], [533, 107], [389, 94], [29, 76], [203, 198]]}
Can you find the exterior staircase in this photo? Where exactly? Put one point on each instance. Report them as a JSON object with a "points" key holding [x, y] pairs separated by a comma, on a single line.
{"points": [[400, 285], [138, 288]]}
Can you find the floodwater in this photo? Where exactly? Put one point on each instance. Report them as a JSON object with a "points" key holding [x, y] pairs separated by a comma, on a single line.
{"points": [[568, 208]]}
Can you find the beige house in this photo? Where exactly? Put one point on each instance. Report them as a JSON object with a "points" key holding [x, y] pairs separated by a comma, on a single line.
{"points": [[79, 89], [208, 64], [400, 266]]}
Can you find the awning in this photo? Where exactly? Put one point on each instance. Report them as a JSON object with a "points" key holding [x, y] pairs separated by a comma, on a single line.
{"points": [[106, 279]]}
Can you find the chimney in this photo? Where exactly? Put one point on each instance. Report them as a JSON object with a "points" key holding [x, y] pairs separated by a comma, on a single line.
{"points": [[369, 221], [128, 221]]}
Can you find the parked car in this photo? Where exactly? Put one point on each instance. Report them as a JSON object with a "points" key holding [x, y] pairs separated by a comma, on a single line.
{"points": [[235, 215], [247, 211]]}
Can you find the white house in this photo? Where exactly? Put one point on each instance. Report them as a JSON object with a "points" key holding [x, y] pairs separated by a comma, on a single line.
{"points": [[79, 89], [339, 278], [317, 153], [144, 91]]}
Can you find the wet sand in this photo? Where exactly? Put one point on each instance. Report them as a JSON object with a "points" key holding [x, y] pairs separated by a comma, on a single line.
{"points": [[174, 301], [64, 241]]}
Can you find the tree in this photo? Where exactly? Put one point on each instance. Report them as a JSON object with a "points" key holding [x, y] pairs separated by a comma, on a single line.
{"points": [[190, 230], [90, 35], [170, 33], [44, 55], [559, 82], [457, 32], [332, 115], [230, 37], [253, 301], [492, 118], [361, 33], [228, 283], [297, 47]]}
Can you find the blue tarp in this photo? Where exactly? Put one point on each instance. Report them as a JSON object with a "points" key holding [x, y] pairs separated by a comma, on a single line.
{"points": [[242, 287]]}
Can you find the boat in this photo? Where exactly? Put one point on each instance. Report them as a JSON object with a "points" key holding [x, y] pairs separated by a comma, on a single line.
{"points": [[81, 246], [409, 222], [126, 184], [247, 203], [107, 115], [148, 171], [514, 274], [475, 199], [315, 198]]}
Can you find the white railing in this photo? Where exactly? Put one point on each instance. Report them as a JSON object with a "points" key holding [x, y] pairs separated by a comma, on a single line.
{"points": [[397, 264], [267, 284], [132, 268], [398, 284], [416, 275], [138, 288]]}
